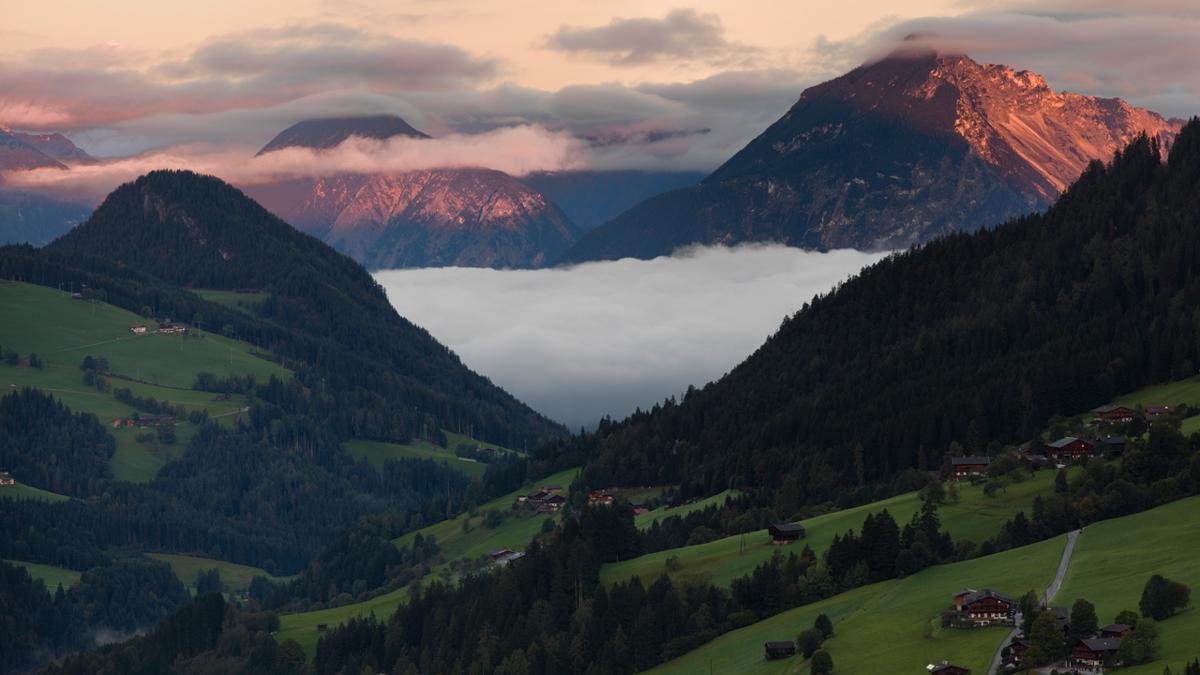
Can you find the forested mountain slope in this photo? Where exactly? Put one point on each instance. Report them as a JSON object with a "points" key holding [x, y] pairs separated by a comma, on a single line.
{"points": [[971, 338], [196, 231]]}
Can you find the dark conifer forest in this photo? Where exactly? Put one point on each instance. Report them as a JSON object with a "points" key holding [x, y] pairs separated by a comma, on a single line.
{"points": [[974, 339], [978, 339]]}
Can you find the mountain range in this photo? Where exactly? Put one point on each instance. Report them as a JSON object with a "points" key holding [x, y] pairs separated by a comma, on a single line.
{"points": [[891, 154]]}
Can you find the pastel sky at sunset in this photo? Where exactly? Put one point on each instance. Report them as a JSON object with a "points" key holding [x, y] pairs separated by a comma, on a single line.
{"points": [[652, 83]]}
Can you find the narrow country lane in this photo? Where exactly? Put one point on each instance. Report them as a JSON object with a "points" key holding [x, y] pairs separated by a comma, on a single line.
{"points": [[1047, 596]]}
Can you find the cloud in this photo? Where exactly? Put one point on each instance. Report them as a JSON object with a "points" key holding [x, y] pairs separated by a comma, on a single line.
{"points": [[99, 86], [604, 338], [1144, 53], [514, 150], [683, 34]]}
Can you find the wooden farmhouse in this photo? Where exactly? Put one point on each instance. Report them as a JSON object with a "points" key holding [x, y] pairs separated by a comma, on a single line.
{"points": [[1070, 448], [986, 607], [1095, 653], [970, 465], [599, 498], [6, 479], [780, 649], [1154, 412], [1112, 445], [172, 328], [1113, 414], [1015, 651], [785, 533], [946, 668], [1115, 630], [139, 329]]}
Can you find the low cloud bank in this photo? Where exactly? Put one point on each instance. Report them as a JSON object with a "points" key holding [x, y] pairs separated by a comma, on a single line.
{"points": [[603, 338], [514, 150]]}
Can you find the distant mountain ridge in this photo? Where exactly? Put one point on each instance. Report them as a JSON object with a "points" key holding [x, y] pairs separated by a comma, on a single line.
{"points": [[891, 154], [469, 217], [18, 155], [30, 218], [56, 146], [325, 133]]}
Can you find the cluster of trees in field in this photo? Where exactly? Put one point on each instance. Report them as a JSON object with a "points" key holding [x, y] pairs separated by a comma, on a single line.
{"points": [[363, 559], [1161, 598], [882, 550], [45, 445], [119, 597], [1164, 468], [976, 338], [745, 512]]}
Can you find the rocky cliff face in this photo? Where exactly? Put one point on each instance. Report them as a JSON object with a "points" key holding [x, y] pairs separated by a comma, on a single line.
{"points": [[891, 154], [435, 218]]}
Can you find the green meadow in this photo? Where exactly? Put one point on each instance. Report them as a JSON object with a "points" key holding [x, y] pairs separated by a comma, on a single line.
{"points": [[243, 302], [1113, 559], [22, 491], [975, 517], [235, 578], [647, 519], [456, 543], [378, 452], [889, 627], [49, 574], [62, 331]]}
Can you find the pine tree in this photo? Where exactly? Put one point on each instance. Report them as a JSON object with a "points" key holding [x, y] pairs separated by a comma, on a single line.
{"points": [[1084, 622], [824, 625]]}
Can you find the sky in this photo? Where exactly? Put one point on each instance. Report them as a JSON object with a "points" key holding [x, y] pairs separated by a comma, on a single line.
{"points": [[615, 84], [604, 338]]}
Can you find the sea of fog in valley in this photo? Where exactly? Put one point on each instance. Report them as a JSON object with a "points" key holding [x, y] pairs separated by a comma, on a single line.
{"points": [[603, 338]]}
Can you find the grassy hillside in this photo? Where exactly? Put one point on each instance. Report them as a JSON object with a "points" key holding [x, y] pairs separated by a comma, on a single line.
{"points": [[1113, 560], [62, 331], [456, 544], [234, 578], [974, 517], [49, 574], [22, 491], [889, 627], [377, 452], [647, 519], [243, 302]]}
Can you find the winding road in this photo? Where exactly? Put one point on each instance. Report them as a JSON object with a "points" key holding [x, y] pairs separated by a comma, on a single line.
{"points": [[1047, 596]]}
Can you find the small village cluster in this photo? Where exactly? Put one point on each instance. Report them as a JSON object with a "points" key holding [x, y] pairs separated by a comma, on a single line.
{"points": [[549, 499], [1067, 449], [980, 608]]}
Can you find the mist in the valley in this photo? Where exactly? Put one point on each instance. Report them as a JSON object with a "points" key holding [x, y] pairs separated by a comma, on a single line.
{"points": [[603, 338]]}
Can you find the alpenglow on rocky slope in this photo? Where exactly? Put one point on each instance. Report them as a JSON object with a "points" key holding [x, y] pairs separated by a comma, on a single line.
{"points": [[472, 217], [891, 154]]}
